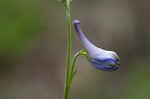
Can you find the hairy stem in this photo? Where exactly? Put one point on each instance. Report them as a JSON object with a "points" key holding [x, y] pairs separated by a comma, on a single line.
{"points": [[67, 85]]}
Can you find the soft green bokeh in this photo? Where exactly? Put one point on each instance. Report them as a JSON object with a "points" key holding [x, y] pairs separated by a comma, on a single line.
{"points": [[33, 49], [19, 22], [138, 81]]}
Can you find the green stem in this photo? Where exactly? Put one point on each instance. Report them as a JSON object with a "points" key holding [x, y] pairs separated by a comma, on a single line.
{"points": [[67, 85], [73, 72], [69, 71]]}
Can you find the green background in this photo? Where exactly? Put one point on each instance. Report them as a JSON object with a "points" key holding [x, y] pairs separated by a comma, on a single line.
{"points": [[33, 49]]}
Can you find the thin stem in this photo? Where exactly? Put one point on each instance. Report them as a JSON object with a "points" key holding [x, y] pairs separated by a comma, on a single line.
{"points": [[72, 72], [73, 65], [67, 85]]}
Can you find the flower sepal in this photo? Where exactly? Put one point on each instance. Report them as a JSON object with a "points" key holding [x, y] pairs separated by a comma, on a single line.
{"points": [[99, 58]]}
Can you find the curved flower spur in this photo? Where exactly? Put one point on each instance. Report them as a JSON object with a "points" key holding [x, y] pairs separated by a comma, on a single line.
{"points": [[99, 58]]}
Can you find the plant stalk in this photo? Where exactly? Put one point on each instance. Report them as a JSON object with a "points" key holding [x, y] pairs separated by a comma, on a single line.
{"points": [[67, 85]]}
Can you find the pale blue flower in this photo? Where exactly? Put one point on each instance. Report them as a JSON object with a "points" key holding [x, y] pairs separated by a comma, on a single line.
{"points": [[99, 58]]}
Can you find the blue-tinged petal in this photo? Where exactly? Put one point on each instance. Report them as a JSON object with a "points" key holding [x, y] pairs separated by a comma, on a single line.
{"points": [[104, 67], [99, 58], [107, 61], [87, 44], [105, 64]]}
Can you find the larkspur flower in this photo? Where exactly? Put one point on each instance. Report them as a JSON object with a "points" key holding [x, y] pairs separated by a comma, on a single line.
{"points": [[99, 58]]}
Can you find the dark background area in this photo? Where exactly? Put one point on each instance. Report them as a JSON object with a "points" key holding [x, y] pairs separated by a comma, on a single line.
{"points": [[33, 49]]}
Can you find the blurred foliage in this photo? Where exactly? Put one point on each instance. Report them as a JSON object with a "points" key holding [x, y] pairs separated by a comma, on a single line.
{"points": [[18, 25], [120, 25], [19, 22], [138, 81]]}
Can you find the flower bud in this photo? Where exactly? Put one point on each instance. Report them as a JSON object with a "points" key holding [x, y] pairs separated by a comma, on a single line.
{"points": [[99, 58]]}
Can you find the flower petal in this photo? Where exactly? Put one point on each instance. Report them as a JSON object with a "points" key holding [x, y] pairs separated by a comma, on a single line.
{"points": [[99, 58], [104, 67]]}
